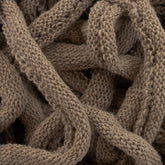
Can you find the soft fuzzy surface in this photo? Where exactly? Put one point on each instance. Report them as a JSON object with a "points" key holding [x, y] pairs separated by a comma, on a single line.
{"points": [[82, 82]]}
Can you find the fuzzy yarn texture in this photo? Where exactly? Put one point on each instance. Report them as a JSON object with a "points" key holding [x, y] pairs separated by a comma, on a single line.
{"points": [[82, 82]]}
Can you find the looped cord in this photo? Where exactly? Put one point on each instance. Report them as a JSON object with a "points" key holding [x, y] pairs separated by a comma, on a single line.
{"points": [[82, 81], [104, 24]]}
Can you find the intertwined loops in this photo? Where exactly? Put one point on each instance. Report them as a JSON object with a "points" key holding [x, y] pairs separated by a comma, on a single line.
{"points": [[82, 82]]}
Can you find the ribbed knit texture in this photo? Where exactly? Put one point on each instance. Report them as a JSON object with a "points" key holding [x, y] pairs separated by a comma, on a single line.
{"points": [[82, 82]]}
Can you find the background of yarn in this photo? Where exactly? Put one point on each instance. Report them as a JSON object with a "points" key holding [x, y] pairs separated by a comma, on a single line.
{"points": [[82, 82]]}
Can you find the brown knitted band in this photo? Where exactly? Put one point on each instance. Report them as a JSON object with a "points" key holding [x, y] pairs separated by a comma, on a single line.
{"points": [[82, 82]]}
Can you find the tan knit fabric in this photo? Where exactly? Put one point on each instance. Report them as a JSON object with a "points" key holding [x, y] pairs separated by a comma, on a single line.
{"points": [[82, 82]]}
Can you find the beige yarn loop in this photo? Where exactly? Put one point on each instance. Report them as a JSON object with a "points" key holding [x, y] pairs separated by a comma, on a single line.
{"points": [[82, 82]]}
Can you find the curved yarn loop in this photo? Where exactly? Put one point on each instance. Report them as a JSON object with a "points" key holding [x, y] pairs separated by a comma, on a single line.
{"points": [[82, 82]]}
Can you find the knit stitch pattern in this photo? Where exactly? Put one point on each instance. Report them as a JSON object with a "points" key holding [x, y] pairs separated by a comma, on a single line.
{"points": [[82, 82]]}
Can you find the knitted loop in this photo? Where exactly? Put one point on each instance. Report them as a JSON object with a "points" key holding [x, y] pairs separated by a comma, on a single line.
{"points": [[82, 127], [104, 25], [82, 81]]}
